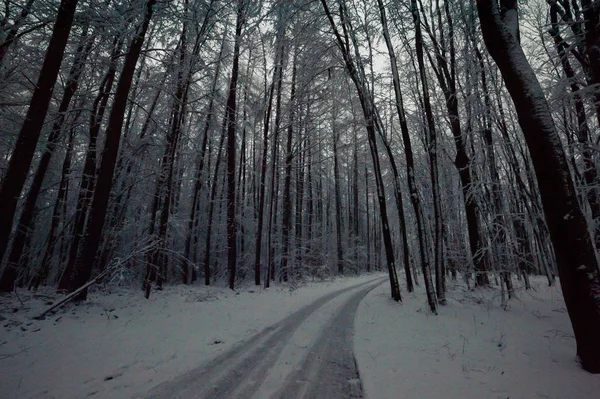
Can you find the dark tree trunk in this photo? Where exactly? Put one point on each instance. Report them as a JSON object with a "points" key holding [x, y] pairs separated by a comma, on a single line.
{"points": [[300, 189], [58, 215], [231, 130], [410, 163], [273, 214], [275, 86], [367, 220], [525, 258], [440, 277], [446, 75], [211, 207], [498, 230], [82, 268], [356, 72], [270, 272], [310, 203], [262, 184], [88, 178], [355, 225], [26, 224], [192, 237], [20, 160], [575, 254], [165, 181], [242, 193], [286, 222], [338, 202]]}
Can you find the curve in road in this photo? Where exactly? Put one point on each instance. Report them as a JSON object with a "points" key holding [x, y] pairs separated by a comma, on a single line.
{"points": [[306, 355]]}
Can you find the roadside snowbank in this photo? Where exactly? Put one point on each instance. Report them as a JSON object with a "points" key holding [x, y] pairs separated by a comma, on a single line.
{"points": [[472, 350], [120, 345]]}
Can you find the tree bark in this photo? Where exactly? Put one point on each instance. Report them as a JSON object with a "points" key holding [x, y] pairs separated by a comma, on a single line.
{"points": [[192, 237], [356, 72], [88, 179], [276, 83], [82, 269], [20, 160], [231, 130], [286, 222], [26, 223], [575, 254], [432, 152], [336, 184], [57, 217]]}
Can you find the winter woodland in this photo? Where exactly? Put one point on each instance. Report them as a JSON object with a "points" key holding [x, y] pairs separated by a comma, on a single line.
{"points": [[158, 144]]}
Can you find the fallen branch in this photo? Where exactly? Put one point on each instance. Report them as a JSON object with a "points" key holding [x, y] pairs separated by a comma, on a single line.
{"points": [[75, 293], [119, 262]]}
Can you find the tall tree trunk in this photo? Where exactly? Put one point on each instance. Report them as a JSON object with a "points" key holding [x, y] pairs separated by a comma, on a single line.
{"points": [[410, 163], [336, 184], [499, 241], [211, 207], [165, 181], [367, 219], [575, 254], [275, 86], [300, 188], [440, 276], [274, 154], [26, 224], [446, 75], [231, 130], [286, 222], [242, 193], [355, 225], [273, 214], [82, 269], [88, 178], [499, 235], [356, 72], [20, 160], [192, 237], [58, 216]]}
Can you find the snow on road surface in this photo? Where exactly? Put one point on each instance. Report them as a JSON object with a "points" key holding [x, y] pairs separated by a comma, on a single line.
{"points": [[309, 354], [473, 349], [121, 346]]}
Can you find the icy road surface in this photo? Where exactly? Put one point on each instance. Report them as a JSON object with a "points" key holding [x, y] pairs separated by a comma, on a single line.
{"points": [[306, 355]]}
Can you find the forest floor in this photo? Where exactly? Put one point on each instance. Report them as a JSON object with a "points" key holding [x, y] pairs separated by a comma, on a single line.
{"points": [[473, 349], [185, 338]]}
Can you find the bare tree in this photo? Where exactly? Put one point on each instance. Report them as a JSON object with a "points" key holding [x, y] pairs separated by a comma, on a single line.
{"points": [[20, 161], [576, 258]]}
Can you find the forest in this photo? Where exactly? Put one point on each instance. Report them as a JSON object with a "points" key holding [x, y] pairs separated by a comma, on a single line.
{"points": [[163, 142]]}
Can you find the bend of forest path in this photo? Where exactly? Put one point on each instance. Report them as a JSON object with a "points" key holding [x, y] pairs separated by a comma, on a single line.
{"points": [[309, 354]]}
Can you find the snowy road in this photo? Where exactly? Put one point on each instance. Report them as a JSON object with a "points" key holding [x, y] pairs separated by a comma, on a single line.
{"points": [[306, 355]]}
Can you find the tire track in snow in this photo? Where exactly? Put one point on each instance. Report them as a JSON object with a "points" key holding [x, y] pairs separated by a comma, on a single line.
{"points": [[241, 372], [330, 369]]}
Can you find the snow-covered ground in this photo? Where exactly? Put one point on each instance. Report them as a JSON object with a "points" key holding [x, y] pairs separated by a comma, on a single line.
{"points": [[472, 350], [120, 345]]}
